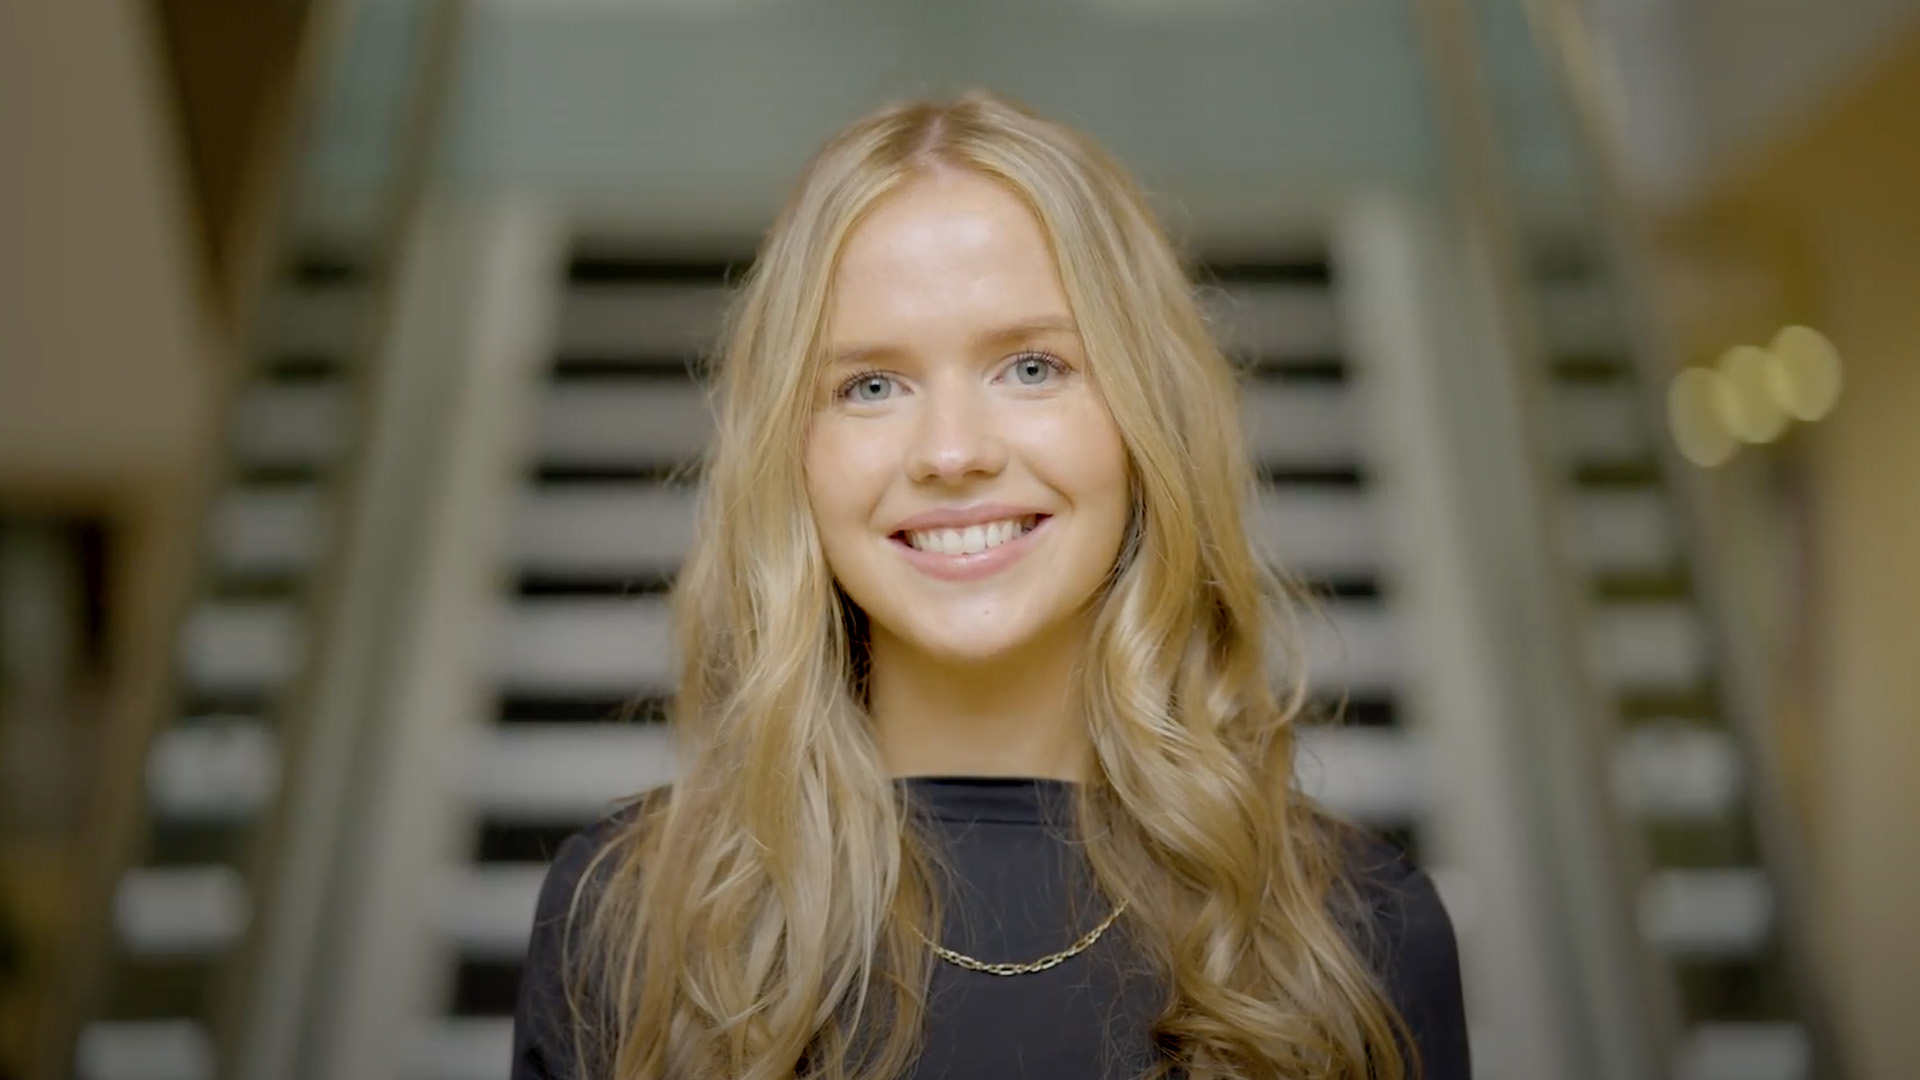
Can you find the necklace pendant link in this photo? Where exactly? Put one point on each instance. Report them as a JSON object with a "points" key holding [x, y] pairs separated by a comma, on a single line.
{"points": [[960, 959]]}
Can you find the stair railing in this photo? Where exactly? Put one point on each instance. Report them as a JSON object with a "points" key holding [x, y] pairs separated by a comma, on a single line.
{"points": [[278, 980], [1564, 38], [181, 566], [1628, 1003], [176, 565]]}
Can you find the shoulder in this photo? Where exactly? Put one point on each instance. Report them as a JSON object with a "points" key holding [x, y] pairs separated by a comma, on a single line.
{"points": [[1401, 925], [546, 1017], [576, 881], [583, 855], [1395, 897]]}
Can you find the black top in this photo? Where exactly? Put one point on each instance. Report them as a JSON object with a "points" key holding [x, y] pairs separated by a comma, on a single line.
{"points": [[1017, 873]]}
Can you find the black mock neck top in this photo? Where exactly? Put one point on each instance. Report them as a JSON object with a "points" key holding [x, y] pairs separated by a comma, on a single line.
{"points": [[1020, 890]]}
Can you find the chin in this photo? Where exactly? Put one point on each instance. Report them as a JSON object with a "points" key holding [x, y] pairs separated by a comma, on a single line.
{"points": [[953, 642], [965, 650]]}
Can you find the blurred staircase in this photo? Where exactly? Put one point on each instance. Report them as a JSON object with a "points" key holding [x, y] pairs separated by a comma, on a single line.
{"points": [[512, 635], [182, 914], [579, 671], [1684, 777]]}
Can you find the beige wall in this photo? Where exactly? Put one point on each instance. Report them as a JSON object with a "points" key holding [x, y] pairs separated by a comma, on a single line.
{"points": [[1829, 215], [101, 366], [104, 401]]}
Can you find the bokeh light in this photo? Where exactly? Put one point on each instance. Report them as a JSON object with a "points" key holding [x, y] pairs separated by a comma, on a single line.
{"points": [[1694, 418], [1743, 398], [1803, 375]]}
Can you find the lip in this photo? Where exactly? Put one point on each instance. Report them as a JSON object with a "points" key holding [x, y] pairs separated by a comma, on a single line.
{"points": [[980, 564], [962, 516]]}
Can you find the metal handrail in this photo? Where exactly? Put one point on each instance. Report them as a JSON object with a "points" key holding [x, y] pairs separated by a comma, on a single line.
{"points": [[150, 677], [1629, 998], [1567, 42], [259, 1033]]}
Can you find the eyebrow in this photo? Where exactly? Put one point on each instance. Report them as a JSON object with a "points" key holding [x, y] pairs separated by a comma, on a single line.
{"points": [[1031, 328], [1005, 335]]}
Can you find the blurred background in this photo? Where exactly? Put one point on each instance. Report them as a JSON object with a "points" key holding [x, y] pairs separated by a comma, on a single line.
{"points": [[344, 391]]}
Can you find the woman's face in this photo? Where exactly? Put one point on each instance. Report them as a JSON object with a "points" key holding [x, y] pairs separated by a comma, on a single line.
{"points": [[967, 482]]}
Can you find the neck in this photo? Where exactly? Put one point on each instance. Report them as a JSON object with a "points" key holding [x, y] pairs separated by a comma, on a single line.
{"points": [[1013, 716]]}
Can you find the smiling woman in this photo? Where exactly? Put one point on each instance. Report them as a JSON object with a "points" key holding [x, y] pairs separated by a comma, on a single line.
{"points": [[968, 484], [984, 772]]}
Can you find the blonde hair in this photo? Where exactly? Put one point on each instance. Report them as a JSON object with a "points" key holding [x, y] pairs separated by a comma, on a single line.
{"points": [[759, 916]]}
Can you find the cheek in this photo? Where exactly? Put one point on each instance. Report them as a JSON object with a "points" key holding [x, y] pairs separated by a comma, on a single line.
{"points": [[1096, 454], [824, 491], [843, 481], [1079, 453]]}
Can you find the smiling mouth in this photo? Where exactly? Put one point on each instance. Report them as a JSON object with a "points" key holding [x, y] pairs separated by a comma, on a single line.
{"points": [[971, 540]]}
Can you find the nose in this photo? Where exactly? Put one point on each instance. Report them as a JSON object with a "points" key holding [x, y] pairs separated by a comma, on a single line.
{"points": [[955, 437]]}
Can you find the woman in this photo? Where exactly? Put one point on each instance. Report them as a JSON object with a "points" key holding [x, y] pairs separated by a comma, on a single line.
{"points": [[982, 771]]}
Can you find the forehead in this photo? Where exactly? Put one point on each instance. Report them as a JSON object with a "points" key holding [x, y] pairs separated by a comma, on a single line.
{"points": [[945, 249]]}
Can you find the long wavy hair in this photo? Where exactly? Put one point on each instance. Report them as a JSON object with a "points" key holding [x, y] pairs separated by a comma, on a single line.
{"points": [[762, 916]]}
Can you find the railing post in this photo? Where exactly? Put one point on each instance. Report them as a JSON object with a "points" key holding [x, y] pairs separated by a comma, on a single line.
{"points": [[1628, 1004], [1563, 36], [1438, 432], [267, 1009]]}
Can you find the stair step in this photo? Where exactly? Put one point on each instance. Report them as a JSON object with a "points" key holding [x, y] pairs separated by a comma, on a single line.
{"points": [[1275, 320], [645, 319], [144, 1050], [1581, 317], [291, 425], [462, 1048], [587, 422], [1701, 913], [565, 772], [209, 772], [1600, 424], [1757, 1051], [322, 318], [1369, 775], [273, 530], [180, 911], [486, 910], [1648, 647], [241, 646], [1612, 532], [1677, 772]]}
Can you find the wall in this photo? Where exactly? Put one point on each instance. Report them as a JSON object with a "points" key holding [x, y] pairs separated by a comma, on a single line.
{"points": [[104, 393], [101, 370], [1828, 213], [1701, 85]]}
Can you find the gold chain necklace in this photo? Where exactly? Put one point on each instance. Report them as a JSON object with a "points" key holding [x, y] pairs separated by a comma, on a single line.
{"points": [[1042, 964]]}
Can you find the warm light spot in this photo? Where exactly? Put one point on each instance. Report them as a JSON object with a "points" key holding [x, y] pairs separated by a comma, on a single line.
{"points": [[1694, 418], [1742, 398], [1804, 376]]}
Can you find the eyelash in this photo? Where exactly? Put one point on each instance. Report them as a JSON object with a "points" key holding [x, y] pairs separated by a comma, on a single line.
{"points": [[1059, 367]]}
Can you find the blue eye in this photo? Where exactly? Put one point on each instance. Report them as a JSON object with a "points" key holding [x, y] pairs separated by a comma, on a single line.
{"points": [[868, 387], [1033, 369]]}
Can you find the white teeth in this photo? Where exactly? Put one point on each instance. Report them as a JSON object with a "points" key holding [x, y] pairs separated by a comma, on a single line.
{"points": [[971, 540]]}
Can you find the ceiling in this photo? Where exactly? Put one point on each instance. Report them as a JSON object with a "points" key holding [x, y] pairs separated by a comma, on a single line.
{"points": [[666, 116]]}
